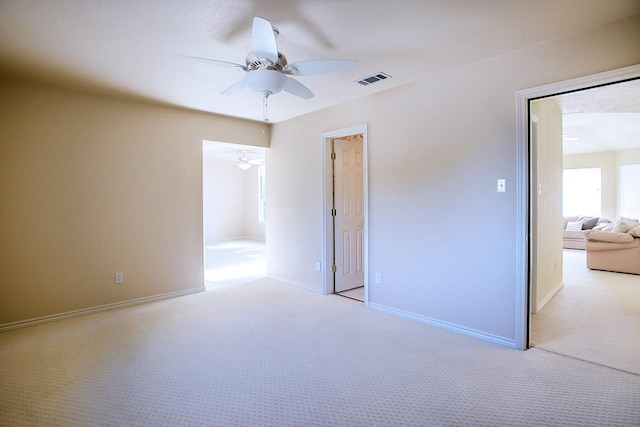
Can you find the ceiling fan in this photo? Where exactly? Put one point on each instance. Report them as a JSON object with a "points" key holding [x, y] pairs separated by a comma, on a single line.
{"points": [[267, 69], [245, 163]]}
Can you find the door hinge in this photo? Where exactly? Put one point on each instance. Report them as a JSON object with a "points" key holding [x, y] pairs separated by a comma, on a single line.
{"points": [[333, 155], [334, 212], [334, 268]]}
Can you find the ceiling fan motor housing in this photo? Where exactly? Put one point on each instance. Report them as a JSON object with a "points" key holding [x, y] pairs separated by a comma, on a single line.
{"points": [[255, 63]]}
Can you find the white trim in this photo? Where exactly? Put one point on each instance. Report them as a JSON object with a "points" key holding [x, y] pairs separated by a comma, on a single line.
{"points": [[326, 203], [522, 315], [296, 284], [549, 297], [106, 307], [444, 325]]}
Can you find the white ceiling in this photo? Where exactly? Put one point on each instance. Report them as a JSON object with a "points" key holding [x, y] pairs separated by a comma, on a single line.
{"points": [[127, 47], [227, 152], [601, 119]]}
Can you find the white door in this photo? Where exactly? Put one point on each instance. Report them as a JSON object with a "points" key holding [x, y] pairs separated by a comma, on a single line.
{"points": [[349, 214]]}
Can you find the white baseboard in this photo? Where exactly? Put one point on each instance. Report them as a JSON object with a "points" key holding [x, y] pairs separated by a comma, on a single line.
{"points": [[444, 325], [549, 297], [106, 307], [294, 283]]}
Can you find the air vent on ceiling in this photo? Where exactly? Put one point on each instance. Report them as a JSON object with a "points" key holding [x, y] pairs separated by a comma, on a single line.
{"points": [[374, 78]]}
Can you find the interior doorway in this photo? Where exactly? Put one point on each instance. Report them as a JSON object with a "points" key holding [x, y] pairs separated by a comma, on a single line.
{"points": [[543, 267], [345, 210], [234, 213], [348, 216]]}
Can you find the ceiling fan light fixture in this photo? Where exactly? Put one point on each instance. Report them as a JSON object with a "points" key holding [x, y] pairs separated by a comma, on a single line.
{"points": [[268, 81], [244, 166]]}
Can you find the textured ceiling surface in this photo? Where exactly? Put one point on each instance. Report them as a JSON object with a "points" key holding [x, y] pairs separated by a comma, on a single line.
{"points": [[605, 118], [129, 47]]}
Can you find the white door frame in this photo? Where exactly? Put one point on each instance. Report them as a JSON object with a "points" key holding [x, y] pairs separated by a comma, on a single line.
{"points": [[327, 204], [523, 191]]}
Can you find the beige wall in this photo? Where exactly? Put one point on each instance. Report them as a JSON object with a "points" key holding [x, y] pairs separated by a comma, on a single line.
{"points": [[547, 203], [629, 157], [90, 186], [442, 238]]}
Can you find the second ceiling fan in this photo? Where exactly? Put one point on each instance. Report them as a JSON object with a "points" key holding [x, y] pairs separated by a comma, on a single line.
{"points": [[267, 69]]}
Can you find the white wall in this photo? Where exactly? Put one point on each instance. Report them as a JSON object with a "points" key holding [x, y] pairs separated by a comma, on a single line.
{"points": [[443, 239], [223, 187], [230, 201]]}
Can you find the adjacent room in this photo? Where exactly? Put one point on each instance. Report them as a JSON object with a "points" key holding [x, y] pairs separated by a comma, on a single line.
{"points": [[234, 212], [585, 310]]}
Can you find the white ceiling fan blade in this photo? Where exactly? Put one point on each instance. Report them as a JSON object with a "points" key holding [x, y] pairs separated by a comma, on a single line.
{"points": [[264, 40], [212, 61], [309, 68], [296, 88], [234, 88]]}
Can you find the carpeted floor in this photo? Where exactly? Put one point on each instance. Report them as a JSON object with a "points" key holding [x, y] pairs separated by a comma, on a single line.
{"points": [[234, 261], [595, 317], [264, 353]]}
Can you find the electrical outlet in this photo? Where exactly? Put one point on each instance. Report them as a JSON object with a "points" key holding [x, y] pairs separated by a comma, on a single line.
{"points": [[119, 277], [378, 278]]}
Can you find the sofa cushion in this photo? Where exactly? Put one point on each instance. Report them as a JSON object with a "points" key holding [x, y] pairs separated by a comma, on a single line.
{"points": [[573, 234], [574, 225], [608, 236], [589, 222], [604, 226], [634, 231], [624, 226]]}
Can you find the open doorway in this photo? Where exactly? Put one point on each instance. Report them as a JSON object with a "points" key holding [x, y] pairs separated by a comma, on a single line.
{"points": [[234, 213], [345, 210], [576, 310]]}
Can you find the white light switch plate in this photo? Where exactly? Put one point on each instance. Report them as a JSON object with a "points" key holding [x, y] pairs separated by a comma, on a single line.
{"points": [[502, 185]]}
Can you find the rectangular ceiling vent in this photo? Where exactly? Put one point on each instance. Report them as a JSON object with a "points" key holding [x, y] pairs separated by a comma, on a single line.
{"points": [[374, 78]]}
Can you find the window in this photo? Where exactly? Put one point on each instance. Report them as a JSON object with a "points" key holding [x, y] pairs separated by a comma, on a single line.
{"points": [[262, 197], [581, 192], [628, 184]]}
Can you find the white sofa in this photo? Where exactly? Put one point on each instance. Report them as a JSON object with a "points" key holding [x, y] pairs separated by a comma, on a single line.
{"points": [[574, 228], [615, 248]]}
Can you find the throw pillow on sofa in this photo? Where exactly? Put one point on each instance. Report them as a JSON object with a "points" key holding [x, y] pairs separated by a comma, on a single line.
{"points": [[574, 225], [589, 222]]}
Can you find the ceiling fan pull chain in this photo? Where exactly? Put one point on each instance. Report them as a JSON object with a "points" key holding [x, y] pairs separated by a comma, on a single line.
{"points": [[265, 113]]}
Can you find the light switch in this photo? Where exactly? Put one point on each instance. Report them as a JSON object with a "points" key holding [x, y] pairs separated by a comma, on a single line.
{"points": [[502, 185]]}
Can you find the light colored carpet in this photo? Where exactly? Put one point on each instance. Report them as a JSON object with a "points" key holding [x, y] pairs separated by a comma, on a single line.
{"points": [[234, 261], [595, 317], [265, 353]]}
